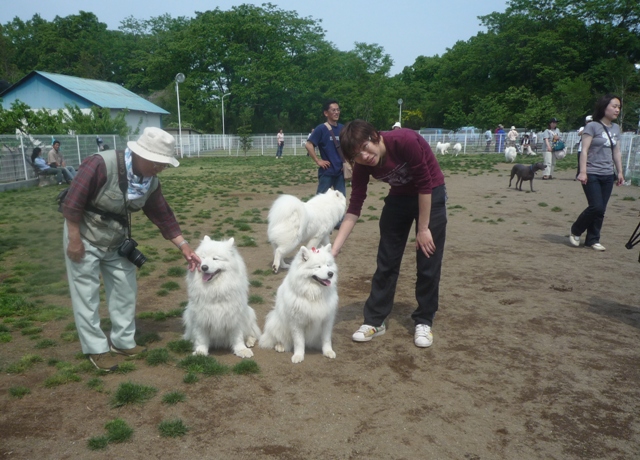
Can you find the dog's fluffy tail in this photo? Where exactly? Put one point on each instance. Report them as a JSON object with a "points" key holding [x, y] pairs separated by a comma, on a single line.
{"points": [[287, 221]]}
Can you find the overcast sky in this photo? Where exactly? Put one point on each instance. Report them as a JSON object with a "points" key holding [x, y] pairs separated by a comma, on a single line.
{"points": [[405, 29]]}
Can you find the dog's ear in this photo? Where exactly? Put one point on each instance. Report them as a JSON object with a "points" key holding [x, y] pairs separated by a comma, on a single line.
{"points": [[206, 238], [304, 253], [230, 241]]}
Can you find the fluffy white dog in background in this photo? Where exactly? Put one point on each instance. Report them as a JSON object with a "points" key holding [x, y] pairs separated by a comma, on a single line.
{"points": [[510, 154], [306, 305], [457, 148], [442, 147], [218, 313], [293, 223]]}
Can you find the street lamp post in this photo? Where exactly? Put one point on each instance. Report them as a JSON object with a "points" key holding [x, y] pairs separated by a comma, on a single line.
{"points": [[179, 79], [223, 135], [400, 114]]}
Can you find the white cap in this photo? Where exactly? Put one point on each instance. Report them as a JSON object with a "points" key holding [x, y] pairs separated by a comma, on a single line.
{"points": [[396, 125]]}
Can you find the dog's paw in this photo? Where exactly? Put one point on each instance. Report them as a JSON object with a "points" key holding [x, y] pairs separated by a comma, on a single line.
{"points": [[251, 341], [295, 359], [244, 353], [279, 348], [201, 350], [274, 268], [329, 354]]}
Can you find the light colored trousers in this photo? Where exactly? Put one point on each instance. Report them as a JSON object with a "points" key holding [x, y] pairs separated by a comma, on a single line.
{"points": [[549, 160], [119, 276]]}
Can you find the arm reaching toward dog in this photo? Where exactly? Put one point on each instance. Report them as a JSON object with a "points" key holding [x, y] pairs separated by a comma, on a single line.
{"points": [[346, 227], [190, 256]]}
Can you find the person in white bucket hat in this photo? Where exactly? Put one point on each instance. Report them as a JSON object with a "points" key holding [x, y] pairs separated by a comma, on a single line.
{"points": [[97, 239]]}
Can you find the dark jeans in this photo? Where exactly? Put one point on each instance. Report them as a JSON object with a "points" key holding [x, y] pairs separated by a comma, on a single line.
{"points": [[398, 215], [279, 151], [597, 190]]}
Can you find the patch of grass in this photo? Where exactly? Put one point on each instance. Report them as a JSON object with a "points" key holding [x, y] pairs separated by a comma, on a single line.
{"points": [[206, 365], [162, 293], [70, 336], [255, 283], [170, 286], [125, 367], [628, 198], [132, 393], [61, 378], [157, 356], [177, 272], [172, 428], [4, 328], [174, 397], [253, 299], [46, 343], [118, 430], [96, 383], [19, 392], [98, 443], [246, 241], [190, 377], [246, 366], [147, 337], [25, 363], [556, 209], [180, 346], [262, 272], [5, 337], [543, 204]]}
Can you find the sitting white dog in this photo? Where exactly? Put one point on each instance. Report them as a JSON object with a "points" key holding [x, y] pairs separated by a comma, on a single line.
{"points": [[306, 305], [218, 313], [457, 148], [510, 154], [442, 147]]}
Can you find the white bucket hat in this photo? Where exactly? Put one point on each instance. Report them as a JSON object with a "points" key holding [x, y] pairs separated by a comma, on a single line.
{"points": [[396, 125], [155, 145]]}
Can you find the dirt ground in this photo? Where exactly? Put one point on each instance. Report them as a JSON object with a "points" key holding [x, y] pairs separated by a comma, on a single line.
{"points": [[536, 353]]}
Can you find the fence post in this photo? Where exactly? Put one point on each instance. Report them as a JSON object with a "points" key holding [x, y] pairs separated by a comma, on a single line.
{"points": [[78, 146], [262, 145], [24, 161]]}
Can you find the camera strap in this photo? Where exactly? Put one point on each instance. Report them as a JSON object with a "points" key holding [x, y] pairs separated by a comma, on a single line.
{"points": [[123, 183]]}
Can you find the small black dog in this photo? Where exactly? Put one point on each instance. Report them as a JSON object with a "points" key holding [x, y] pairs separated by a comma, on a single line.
{"points": [[525, 172]]}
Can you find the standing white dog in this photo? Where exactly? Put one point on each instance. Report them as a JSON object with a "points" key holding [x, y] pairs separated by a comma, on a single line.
{"points": [[306, 305], [218, 313], [292, 223], [510, 154], [457, 148], [442, 147]]}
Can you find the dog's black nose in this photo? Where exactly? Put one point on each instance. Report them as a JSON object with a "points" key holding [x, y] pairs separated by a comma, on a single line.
{"points": [[204, 268], [330, 275]]}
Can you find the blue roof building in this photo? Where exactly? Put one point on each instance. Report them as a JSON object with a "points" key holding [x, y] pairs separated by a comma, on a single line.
{"points": [[50, 91]]}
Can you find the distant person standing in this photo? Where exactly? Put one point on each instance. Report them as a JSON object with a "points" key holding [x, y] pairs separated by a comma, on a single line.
{"points": [[587, 120], [55, 159], [549, 137], [512, 137], [326, 137], [487, 139], [280, 138]]}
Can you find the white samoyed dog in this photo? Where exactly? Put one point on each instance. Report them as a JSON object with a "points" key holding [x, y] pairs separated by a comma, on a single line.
{"points": [[457, 148], [510, 154], [306, 305], [293, 223], [442, 147], [218, 313]]}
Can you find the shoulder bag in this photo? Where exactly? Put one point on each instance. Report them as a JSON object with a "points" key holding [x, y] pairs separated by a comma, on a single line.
{"points": [[347, 169]]}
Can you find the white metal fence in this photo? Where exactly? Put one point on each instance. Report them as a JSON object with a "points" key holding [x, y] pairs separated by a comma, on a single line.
{"points": [[14, 149]]}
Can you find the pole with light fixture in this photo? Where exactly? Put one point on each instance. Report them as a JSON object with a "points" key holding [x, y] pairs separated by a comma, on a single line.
{"points": [[179, 79], [223, 136], [400, 101]]}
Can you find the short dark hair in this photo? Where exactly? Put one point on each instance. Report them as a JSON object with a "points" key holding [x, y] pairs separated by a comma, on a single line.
{"points": [[601, 106], [55, 141], [354, 134], [328, 103]]}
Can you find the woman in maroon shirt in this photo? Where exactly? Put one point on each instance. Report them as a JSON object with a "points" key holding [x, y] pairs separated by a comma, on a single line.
{"points": [[404, 160]]}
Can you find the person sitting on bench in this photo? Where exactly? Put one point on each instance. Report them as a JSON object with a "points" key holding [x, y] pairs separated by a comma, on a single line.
{"points": [[43, 168]]}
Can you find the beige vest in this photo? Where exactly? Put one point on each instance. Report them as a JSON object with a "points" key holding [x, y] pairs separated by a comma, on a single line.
{"points": [[108, 234]]}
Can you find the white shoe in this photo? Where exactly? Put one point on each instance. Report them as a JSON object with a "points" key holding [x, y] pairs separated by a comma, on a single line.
{"points": [[573, 239], [423, 337], [598, 247], [366, 333]]}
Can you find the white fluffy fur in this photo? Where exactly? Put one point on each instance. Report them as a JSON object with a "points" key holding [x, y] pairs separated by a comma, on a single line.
{"points": [[457, 148], [218, 314], [527, 150], [510, 154], [306, 305], [292, 223], [442, 147]]}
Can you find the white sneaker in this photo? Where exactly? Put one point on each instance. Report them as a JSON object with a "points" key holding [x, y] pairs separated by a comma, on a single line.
{"points": [[573, 239], [423, 337], [366, 333], [598, 247]]}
